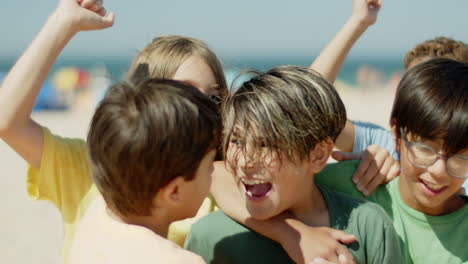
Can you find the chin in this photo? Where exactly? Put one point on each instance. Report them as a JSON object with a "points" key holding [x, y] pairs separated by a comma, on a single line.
{"points": [[259, 213]]}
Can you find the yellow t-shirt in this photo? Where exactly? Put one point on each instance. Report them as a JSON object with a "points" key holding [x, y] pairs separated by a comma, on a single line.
{"points": [[64, 179]]}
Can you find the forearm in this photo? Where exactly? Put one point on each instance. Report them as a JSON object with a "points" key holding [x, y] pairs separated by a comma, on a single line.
{"points": [[22, 84], [345, 141], [330, 60]]}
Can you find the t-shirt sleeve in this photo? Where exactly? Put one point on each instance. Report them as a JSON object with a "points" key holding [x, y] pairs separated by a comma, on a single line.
{"points": [[367, 134], [64, 174], [389, 250], [382, 242]]}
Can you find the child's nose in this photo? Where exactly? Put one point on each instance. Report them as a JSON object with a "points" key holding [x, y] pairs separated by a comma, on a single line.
{"points": [[245, 160]]}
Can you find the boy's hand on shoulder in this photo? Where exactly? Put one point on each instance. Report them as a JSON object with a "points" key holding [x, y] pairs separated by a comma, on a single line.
{"points": [[315, 243], [377, 166], [365, 11], [84, 15]]}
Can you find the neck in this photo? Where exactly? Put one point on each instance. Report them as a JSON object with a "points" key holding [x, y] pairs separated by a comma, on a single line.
{"points": [[311, 209], [156, 223]]}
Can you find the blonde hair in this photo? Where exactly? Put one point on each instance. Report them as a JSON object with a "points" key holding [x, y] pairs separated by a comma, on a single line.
{"points": [[165, 54], [287, 110]]}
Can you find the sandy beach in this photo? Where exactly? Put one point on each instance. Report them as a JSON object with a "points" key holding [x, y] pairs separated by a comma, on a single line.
{"points": [[32, 231]]}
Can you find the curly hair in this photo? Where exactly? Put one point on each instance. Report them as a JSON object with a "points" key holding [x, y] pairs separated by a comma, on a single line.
{"points": [[440, 47]]}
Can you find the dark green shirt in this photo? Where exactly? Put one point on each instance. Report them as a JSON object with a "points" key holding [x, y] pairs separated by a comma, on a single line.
{"points": [[219, 239]]}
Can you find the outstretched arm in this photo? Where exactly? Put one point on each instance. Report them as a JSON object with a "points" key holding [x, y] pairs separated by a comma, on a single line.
{"points": [[21, 86], [302, 243], [330, 60]]}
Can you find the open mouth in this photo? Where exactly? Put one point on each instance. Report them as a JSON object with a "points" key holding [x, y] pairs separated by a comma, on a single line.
{"points": [[432, 189], [256, 189]]}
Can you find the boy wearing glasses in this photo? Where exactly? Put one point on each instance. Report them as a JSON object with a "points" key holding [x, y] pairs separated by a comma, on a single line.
{"points": [[429, 124]]}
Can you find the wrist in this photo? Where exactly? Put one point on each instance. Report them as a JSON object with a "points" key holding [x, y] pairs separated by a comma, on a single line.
{"points": [[64, 23], [359, 22]]}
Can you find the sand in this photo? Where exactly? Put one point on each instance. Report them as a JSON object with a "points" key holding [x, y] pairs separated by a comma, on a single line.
{"points": [[32, 232]]}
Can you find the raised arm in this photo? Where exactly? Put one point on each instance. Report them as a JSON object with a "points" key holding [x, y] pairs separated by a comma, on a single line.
{"points": [[330, 60], [302, 243], [21, 86]]}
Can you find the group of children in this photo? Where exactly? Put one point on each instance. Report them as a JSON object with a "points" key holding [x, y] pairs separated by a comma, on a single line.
{"points": [[171, 143]]}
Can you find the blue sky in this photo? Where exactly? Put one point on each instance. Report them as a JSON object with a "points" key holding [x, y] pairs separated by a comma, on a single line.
{"points": [[241, 27]]}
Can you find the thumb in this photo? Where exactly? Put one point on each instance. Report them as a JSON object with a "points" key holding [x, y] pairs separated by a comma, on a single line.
{"points": [[342, 155], [342, 236], [107, 21]]}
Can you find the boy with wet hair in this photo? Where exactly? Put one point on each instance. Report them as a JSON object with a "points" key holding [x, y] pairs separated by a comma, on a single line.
{"points": [[278, 133], [429, 123], [145, 187]]}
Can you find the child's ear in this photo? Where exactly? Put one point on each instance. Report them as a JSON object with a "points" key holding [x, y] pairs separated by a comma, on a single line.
{"points": [[170, 194], [320, 154], [396, 138]]}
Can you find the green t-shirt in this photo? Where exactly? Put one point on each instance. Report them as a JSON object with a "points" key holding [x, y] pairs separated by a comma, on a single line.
{"points": [[219, 239], [425, 239]]}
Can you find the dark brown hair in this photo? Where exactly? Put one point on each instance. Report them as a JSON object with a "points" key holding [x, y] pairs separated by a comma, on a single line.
{"points": [[432, 103], [145, 134]]}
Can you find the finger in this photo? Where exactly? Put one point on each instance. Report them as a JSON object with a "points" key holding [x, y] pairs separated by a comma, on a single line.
{"points": [[379, 177], [373, 184], [108, 20], [363, 165], [342, 236], [461, 191], [101, 12], [87, 3], [96, 6], [104, 22], [371, 172], [344, 256], [344, 260], [319, 261], [372, 160], [393, 172], [342, 155]]}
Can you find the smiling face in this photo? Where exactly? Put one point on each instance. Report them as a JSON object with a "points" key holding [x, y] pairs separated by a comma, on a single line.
{"points": [[268, 184], [275, 128], [429, 190]]}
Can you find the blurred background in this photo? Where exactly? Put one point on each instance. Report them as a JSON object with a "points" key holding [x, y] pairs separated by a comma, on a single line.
{"points": [[258, 34]]}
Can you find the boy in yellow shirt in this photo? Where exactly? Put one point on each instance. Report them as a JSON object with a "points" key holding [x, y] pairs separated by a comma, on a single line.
{"points": [[143, 187]]}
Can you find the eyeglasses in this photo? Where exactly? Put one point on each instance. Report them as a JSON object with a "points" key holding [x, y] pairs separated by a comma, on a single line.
{"points": [[423, 156]]}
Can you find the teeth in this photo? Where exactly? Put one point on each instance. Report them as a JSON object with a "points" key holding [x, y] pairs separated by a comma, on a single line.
{"points": [[434, 187], [253, 181]]}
